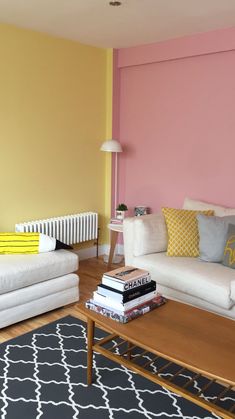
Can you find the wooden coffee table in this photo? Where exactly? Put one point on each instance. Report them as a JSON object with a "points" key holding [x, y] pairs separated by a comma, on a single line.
{"points": [[194, 339]]}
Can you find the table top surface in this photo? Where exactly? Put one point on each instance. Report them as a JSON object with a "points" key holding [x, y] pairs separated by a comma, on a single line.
{"points": [[116, 227], [181, 333]]}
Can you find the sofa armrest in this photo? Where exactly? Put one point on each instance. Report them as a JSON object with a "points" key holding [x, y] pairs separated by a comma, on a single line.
{"points": [[144, 235]]}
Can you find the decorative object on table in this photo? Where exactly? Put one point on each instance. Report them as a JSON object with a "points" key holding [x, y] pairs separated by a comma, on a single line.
{"points": [[125, 294], [120, 211], [59, 389], [126, 277], [113, 146], [129, 315], [141, 210]]}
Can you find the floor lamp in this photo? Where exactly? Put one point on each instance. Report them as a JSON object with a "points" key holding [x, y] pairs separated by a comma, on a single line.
{"points": [[113, 146]]}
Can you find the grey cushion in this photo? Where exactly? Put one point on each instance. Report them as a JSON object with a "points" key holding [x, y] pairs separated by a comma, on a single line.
{"points": [[229, 250], [212, 236]]}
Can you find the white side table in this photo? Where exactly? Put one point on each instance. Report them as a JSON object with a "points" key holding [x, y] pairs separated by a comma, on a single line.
{"points": [[114, 230]]}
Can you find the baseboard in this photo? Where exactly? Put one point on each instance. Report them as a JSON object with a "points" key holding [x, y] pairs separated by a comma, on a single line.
{"points": [[90, 252]]}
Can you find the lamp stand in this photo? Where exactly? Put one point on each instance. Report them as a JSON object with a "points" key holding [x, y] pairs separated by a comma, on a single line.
{"points": [[115, 183]]}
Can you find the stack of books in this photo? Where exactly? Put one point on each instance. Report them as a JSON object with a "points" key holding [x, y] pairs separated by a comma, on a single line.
{"points": [[124, 294], [116, 221]]}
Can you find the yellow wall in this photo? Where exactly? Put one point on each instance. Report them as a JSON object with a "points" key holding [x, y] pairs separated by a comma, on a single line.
{"points": [[109, 110], [54, 97]]}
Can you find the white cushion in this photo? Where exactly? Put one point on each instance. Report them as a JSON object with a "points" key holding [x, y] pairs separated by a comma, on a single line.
{"points": [[209, 281], [41, 305], [192, 204], [18, 271], [150, 234], [196, 302], [36, 291], [46, 243]]}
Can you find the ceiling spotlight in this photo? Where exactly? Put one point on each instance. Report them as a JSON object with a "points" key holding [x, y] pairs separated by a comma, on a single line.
{"points": [[115, 3]]}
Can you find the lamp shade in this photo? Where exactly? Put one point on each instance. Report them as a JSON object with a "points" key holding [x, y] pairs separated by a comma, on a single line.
{"points": [[111, 145]]}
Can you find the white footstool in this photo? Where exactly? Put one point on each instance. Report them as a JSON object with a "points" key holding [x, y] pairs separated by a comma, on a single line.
{"points": [[34, 284]]}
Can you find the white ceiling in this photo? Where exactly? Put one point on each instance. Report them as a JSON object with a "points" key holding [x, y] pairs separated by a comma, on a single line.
{"points": [[135, 22]]}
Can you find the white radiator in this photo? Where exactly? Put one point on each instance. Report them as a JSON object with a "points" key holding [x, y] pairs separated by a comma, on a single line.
{"points": [[69, 229]]}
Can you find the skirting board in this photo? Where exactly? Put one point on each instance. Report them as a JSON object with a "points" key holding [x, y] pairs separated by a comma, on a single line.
{"points": [[103, 249]]}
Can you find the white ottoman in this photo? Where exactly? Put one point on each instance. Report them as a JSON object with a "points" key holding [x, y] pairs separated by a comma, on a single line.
{"points": [[34, 284]]}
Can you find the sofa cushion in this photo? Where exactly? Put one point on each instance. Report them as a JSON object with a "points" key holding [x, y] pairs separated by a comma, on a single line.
{"points": [[150, 234], [37, 291], [193, 204], [233, 290], [173, 294], [18, 271], [209, 281], [229, 249], [19, 243], [22, 243], [182, 228], [212, 236]]}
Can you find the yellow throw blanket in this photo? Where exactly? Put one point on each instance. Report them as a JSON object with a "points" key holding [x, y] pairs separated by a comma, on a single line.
{"points": [[19, 243]]}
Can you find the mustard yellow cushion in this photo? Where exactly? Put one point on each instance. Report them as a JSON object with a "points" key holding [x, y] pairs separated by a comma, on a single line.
{"points": [[19, 243], [183, 234]]}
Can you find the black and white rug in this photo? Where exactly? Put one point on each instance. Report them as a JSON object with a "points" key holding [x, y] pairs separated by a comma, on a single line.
{"points": [[43, 376]]}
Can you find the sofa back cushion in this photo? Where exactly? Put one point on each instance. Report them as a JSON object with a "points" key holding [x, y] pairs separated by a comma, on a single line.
{"points": [[229, 250], [193, 204], [150, 234], [183, 232], [212, 236]]}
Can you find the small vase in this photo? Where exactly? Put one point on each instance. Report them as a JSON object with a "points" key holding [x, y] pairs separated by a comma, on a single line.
{"points": [[120, 215]]}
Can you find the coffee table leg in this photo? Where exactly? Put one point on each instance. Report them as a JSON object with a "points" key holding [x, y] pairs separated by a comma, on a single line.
{"points": [[90, 338]]}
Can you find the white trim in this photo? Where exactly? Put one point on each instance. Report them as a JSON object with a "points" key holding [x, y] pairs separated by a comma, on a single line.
{"points": [[90, 252]]}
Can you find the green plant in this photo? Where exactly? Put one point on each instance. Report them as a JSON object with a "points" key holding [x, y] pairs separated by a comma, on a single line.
{"points": [[121, 207]]}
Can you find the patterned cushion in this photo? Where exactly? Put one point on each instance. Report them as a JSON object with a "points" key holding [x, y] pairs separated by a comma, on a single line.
{"points": [[229, 250], [19, 243], [24, 243], [183, 232]]}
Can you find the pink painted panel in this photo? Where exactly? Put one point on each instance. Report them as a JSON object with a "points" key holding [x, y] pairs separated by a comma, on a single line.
{"points": [[177, 125], [188, 46]]}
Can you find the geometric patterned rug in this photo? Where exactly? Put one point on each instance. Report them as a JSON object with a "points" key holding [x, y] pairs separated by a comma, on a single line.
{"points": [[43, 376]]}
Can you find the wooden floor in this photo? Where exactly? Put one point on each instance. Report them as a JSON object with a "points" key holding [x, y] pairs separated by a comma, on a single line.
{"points": [[90, 273]]}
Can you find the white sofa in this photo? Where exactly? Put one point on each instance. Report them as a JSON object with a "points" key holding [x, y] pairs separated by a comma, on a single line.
{"points": [[34, 284], [210, 286]]}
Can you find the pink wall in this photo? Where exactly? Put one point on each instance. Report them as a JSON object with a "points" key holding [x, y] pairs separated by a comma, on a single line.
{"points": [[174, 113]]}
